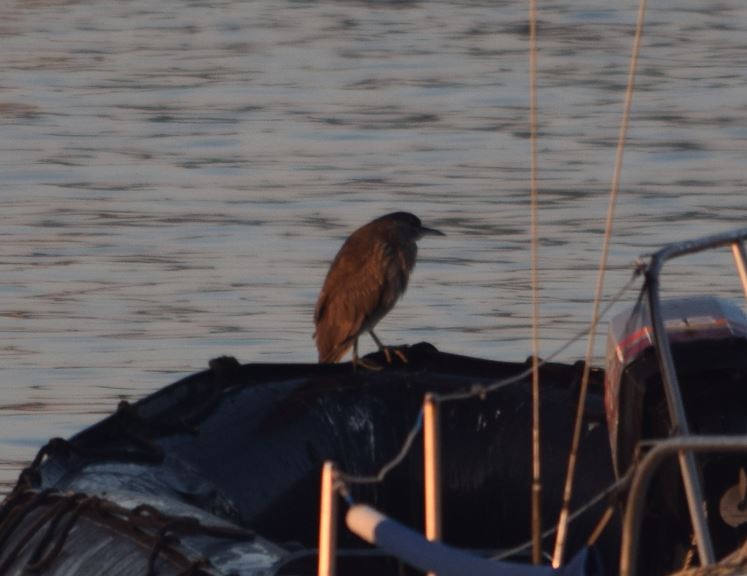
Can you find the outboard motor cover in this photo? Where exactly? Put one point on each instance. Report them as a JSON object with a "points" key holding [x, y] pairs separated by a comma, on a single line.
{"points": [[708, 337]]}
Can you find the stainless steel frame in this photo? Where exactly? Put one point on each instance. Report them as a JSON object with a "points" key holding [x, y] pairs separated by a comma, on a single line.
{"points": [[690, 477], [642, 480]]}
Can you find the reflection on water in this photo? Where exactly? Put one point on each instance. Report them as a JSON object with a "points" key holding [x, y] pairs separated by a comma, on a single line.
{"points": [[177, 175]]}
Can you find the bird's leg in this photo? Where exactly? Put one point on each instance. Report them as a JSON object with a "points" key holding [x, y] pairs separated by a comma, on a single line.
{"points": [[362, 362], [387, 350]]}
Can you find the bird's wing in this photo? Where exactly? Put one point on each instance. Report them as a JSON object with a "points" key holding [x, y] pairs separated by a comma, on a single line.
{"points": [[351, 295]]}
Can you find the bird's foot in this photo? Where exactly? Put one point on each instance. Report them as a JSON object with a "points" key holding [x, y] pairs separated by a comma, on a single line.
{"points": [[396, 350], [366, 365]]}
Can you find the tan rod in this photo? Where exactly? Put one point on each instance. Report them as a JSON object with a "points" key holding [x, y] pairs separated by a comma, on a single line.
{"points": [[328, 521], [432, 467]]}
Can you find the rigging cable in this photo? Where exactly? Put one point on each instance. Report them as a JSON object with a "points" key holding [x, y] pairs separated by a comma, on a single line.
{"points": [[476, 392], [536, 520], [615, 186]]}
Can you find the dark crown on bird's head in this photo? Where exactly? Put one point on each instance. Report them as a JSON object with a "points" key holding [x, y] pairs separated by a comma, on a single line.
{"points": [[402, 217], [405, 218], [407, 224]]}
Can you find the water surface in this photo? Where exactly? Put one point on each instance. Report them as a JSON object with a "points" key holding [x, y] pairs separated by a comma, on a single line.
{"points": [[176, 176]]}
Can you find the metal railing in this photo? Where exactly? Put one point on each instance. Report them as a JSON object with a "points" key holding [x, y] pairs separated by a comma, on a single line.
{"points": [[642, 479], [328, 516], [676, 406]]}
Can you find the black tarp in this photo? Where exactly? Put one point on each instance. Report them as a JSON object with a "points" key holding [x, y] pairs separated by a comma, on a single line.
{"points": [[244, 445]]}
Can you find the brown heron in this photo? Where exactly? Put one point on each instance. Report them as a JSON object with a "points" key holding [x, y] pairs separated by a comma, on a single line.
{"points": [[364, 281]]}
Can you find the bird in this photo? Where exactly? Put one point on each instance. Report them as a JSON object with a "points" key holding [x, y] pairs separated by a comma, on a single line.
{"points": [[366, 278]]}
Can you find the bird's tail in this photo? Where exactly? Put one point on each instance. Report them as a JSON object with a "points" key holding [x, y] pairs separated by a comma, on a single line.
{"points": [[329, 352]]}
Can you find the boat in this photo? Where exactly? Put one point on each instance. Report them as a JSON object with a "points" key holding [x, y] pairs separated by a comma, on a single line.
{"points": [[220, 473], [240, 449]]}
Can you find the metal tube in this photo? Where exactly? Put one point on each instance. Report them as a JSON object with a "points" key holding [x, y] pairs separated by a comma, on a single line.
{"points": [[740, 259], [432, 467], [642, 479], [677, 413], [328, 521], [677, 249], [688, 467]]}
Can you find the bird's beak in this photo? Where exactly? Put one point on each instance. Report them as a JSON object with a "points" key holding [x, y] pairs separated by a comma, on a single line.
{"points": [[431, 231]]}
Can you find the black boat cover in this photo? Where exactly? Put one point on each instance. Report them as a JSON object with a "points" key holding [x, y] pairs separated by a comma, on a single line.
{"points": [[219, 473]]}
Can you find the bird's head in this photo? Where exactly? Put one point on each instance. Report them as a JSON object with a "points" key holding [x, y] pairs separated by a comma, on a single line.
{"points": [[409, 225]]}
